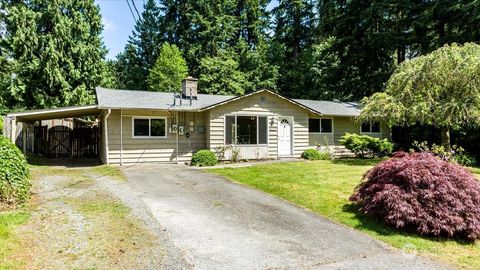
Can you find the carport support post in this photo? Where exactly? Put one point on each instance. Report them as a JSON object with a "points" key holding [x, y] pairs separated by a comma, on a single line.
{"points": [[176, 123], [13, 129], [121, 137], [24, 138]]}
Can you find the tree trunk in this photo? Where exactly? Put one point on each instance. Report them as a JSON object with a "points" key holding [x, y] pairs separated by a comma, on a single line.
{"points": [[445, 138]]}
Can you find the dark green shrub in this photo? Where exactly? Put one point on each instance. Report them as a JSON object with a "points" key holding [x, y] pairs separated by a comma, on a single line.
{"points": [[204, 158], [455, 153], [14, 174], [465, 159], [313, 154], [363, 145], [379, 147]]}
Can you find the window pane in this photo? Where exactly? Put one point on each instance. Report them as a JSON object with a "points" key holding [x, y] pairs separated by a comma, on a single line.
{"points": [[313, 125], [262, 130], [246, 130], [366, 127], [326, 125], [375, 127], [158, 127], [229, 129], [140, 127]]}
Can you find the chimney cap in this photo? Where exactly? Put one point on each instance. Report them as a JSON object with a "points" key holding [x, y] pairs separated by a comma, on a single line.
{"points": [[190, 78]]}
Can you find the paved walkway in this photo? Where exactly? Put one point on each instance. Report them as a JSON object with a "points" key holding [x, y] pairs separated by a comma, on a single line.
{"points": [[221, 225]]}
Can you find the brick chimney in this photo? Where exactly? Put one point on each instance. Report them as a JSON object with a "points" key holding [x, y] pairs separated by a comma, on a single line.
{"points": [[189, 87]]}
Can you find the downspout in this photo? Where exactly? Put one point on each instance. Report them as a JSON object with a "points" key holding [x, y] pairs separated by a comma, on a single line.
{"points": [[121, 137], [109, 111]]}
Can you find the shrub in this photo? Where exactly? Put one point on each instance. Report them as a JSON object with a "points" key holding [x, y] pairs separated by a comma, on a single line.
{"points": [[423, 193], [465, 159], [204, 158], [14, 174], [362, 145], [455, 153], [313, 154]]}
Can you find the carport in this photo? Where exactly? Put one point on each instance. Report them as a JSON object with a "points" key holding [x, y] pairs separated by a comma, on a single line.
{"points": [[23, 128]]}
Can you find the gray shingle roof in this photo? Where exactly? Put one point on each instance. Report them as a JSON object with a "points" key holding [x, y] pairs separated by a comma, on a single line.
{"points": [[332, 107], [131, 99]]}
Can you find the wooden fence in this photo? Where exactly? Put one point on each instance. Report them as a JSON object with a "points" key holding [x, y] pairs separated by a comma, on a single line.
{"points": [[62, 141]]}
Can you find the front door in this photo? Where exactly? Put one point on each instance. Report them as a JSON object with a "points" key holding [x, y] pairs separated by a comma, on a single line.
{"points": [[284, 137]]}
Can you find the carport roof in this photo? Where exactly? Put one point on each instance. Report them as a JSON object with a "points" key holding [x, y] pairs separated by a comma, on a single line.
{"points": [[56, 113]]}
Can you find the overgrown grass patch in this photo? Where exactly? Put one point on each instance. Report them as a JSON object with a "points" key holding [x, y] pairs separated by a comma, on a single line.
{"points": [[110, 171], [325, 187], [115, 234], [9, 242]]}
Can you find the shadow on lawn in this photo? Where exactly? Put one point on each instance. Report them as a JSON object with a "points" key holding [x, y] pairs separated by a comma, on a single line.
{"points": [[63, 162], [368, 223]]}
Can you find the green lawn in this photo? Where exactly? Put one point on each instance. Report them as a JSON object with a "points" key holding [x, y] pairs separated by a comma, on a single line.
{"points": [[325, 186], [9, 242]]}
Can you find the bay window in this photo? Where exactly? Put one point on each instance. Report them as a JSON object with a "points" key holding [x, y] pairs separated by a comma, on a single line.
{"points": [[246, 130]]}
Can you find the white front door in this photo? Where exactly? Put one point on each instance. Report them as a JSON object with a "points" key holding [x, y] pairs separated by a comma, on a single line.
{"points": [[284, 137]]}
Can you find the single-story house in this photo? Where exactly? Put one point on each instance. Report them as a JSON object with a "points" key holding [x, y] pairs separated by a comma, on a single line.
{"points": [[145, 126]]}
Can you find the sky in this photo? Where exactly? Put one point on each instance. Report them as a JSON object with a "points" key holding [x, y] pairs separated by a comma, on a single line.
{"points": [[118, 23]]}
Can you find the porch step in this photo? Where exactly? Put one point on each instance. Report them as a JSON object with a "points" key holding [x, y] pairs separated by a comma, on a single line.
{"points": [[342, 152]]}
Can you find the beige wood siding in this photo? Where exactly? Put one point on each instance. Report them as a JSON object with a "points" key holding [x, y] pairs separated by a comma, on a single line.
{"points": [[272, 107], [136, 150], [342, 125]]}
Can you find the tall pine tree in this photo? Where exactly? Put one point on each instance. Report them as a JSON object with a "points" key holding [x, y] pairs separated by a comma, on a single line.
{"points": [[54, 52], [141, 50]]}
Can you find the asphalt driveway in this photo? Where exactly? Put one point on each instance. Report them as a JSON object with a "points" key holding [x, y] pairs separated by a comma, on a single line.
{"points": [[221, 225]]}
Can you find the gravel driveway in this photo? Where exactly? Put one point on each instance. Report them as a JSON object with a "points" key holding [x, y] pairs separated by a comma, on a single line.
{"points": [[221, 225]]}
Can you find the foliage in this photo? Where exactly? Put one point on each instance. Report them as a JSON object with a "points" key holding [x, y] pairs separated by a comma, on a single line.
{"points": [[14, 174], [141, 51], [325, 188], [54, 50], [169, 70], [229, 152], [204, 158], [422, 193], [440, 89], [455, 153], [362, 145], [220, 75], [313, 154], [293, 34], [1, 125]]}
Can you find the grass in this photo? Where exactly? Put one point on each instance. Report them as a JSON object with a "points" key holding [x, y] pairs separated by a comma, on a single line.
{"points": [[9, 242], [325, 186], [115, 235], [110, 171]]}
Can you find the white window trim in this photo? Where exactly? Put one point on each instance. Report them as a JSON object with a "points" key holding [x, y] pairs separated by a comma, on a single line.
{"points": [[370, 132], [235, 139], [320, 120], [149, 127]]}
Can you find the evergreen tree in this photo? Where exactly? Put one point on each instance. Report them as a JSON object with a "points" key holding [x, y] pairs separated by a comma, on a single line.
{"points": [[220, 75], [169, 70], [55, 53], [142, 49], [294, 29]]}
